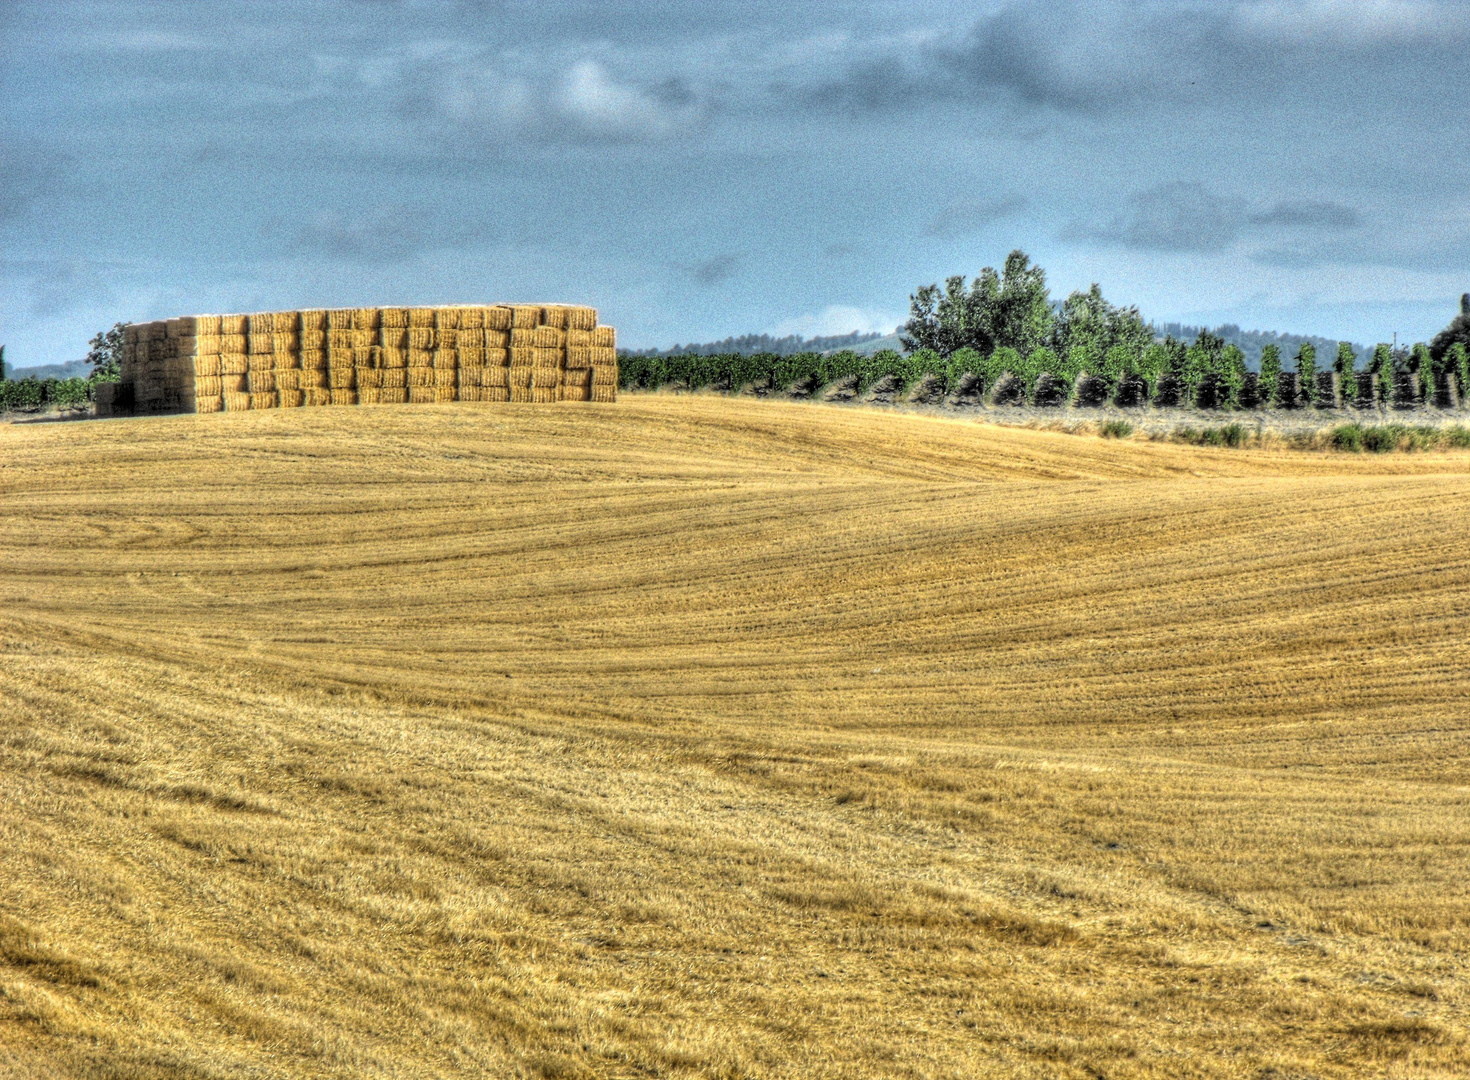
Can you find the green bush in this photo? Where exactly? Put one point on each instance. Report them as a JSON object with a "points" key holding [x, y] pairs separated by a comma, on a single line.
{"points": [[1234, 435], [1347, 437], [1116, 429]]}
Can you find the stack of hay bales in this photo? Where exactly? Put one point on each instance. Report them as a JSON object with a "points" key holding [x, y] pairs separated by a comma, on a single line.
{"points": [[367, 356]]}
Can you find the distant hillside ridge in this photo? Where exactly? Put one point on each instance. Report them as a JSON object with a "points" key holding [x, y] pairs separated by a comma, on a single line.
{"points": [[72, 369], [750, 344], [1251, 342]]}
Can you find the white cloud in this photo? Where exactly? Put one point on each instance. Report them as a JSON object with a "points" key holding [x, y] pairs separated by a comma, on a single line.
{"points": [[836, 319], [1359, 22], [592, 99]]}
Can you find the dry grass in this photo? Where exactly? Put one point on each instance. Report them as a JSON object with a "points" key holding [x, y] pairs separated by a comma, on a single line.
{"points": [[711, 737]]}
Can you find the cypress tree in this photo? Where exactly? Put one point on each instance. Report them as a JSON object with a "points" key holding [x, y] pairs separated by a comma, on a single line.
{"points": [[1232, 375], [1270, 374], [1306, 366]]}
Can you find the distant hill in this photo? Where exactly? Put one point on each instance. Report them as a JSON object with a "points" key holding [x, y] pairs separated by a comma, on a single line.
{"points": [[1251, 342], [72, 369], [747, 344]]}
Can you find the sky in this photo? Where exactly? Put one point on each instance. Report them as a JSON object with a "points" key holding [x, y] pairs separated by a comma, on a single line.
{"points": [[699, 170]]}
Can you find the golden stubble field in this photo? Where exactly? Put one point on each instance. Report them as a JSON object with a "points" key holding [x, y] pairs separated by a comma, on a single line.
{"points": [[695, 736]]}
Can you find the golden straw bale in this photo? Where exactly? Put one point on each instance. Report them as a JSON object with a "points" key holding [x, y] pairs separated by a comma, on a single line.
{"points": [[341, 358], [472, 318], [470, 376], [420, 358], [393, 358], [339, 339], [605, 393], [420, 338], [209, 403], [316, 395], [287, 342], [236, 402], [421, 395], [342, 396], [207, 364], [286, 322], [604, 337], [471, 356], [523, 338], [420, 376], [446, 393], [368, 379], [446, 318], [288, 380], [554, 315], [262, 382], [421, 318], [467, 393], [581, 318], [233, 343], [548, 358], [495, 376], [543, 394], [207, 325], [446, 358], [498, 317], [495, 393], [541, 378], [208, 345], [292, 399], [605, 375], [363, 339], [393, 337], [261, 343], [579, 356], [261, 361], [472, 339], [342, 378], [314, 359], [233, 363], [261, 322], [497, 357], [367, 318], [579, 339], [312, 379], [339, 319], [391, 377], [446, 338], [393, 395], [522, 357], [313, 320], [313, 340], [577, 377], [446, 376], [525, 316], [497, 339], [180, 327], [369, 395], [207, 385], [519, 375], [234, 384], [266, 400], [576, 393], [603, 355], [287, 362], [394, 317], [549, 337]]}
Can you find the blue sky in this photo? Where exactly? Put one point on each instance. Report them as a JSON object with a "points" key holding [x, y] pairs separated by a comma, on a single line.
{"points": [[700, 170]]}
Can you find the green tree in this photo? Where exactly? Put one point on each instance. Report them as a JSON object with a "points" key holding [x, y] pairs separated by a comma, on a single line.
{"points": [[1153, 363], [2, 363], [1118, 363], [1011, 308], [1422, 365], [1458, 331], [1004, 359], [105, 354], [1458, 358], [1232, 375], [1270, 379], [1091, 326], [1201, 361], [1306, 366]]}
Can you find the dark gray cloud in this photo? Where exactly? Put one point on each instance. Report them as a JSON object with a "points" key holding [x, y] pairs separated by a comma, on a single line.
{"points": [[1309, 214], [25, 176], [1180, 216], [713, 271], [380, 234], [963, 217]]}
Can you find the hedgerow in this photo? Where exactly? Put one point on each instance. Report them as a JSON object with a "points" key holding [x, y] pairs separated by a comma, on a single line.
{"points": [[33, 395]]}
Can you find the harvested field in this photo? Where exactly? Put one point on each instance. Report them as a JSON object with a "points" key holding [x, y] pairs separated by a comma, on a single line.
{"points": [[703, 736]]}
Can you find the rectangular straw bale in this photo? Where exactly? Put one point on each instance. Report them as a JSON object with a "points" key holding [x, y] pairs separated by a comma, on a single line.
{"points": [[446, 393], [209, 403], [548, 358], [471, 339], [605, 375], [292, 399], [393, 395], [420, 358], [420, 338], [339, 339], [312, 379], [233, 363], [366, 318], [270, 400], [314, 339], [231, 324], [260, 322], [497, 357], [287, 341], [497, 339], [581, 318], [498, 317], [421, 395], [183, 326], [339, 319], [342, 378], [261, 361], [364, 339], [393, 358], [314, 360], [576, 393], [519, 357], [207, 385], [446, 338], [233, 343], [523, 337], [579, 339], [207, 325], [288, 380], [261, 343], [286, 322], [605, 393], [446, 376], [262, 382], [446, 358], [471, 356], [317, 395], [369, 395], [549, 337], [207, 364], [603, 355], [544, 377], [236, 402], [495, 376], [421, 318], [285, 361], [313, 320], [391, 377], [543, 394], [393, 337], [394, 317], [472, 318], [368, 378], [604, 337], [446, 318], [577, 377], [519, 376], [342, 396], [579, 356], [420, 376], [234, 384], [467, 393], [495, 393], [554, 315], [207, 345], [525, 316]]}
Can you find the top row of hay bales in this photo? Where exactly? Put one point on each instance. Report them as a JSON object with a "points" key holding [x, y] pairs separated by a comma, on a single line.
{"points": [[352, 356]]}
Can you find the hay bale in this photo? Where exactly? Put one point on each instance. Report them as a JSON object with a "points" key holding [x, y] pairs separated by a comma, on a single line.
{"points": [[421, 395], [261, 343], [393, 395], [236, 402], [341, 378], [543, 378], [471, 357], [207, 364], [497, 357], [316, 396], [286, 342], [497, 339], [605, 375], [472, 318], [313, 320], [446, 318], [233, 343], [446, 358], [368, 378], [286, 322], [523, 337], [205, 385], [393, 358], [268, 400], [418, 358], [313, 340], [421, 339], [604, 354], [369, 395], [361, 340], [498, 319], [288, 380], [313, 379], [581, 318], [543, 395], [393, 377], [579, 356], [421, 318], [207, 325], [314, 360], [291, 399], [339, 319], [393, 337], [525, 316], [1367, 390], [446, 376], [446, 338], [394, 318], [207, 345], [341, 396], [495, 393], [366, 319], [209, 403], [261, 361], [495, 376], [234, 384], [547, 358], [605, 393], [1328, 391], [261, 382], [579, 339], [260, 322], [419, 376], [604, 337], [518, 376], [549, 337]]}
